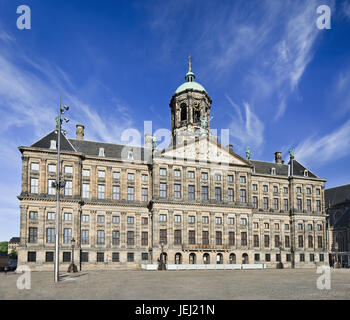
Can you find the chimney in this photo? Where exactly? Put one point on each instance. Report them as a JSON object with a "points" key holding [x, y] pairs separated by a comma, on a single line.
{"points": [[80, 132], [230, 148], [278, 157], [148, 140]]}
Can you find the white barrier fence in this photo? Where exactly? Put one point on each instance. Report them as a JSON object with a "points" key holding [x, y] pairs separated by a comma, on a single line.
{"points": [[150, 267]]}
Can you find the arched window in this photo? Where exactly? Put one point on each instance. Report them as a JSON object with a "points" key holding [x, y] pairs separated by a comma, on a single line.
{"points": [[178, 258], [183, 112], [192, 258], [273, 171], [245, 258], [206, 258], [306, 173], [219, 258], [232, 258]]}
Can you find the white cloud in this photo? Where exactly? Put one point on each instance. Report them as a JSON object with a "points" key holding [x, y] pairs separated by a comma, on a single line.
{"points": [[346, 9], [318, 151], [245, 126]]}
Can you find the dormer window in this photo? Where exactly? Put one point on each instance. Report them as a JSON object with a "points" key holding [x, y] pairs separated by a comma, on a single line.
{"points": [[253, 169], [306, 173], [53, 144], [130, 155], [273, 171], [101, 152]]}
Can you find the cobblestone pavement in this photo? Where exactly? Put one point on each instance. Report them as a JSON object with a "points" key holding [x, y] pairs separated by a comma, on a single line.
{"points": [[179, 285]]}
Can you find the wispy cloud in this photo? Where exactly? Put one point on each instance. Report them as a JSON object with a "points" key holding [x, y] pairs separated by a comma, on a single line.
{"points": [[245, 126], [345, 9], [316, 151]]}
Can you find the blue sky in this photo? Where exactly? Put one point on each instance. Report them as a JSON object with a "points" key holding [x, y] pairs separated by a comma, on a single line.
{"points": [[275, 79]]}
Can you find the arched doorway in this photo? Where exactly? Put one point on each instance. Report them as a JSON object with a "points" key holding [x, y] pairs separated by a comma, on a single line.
{"points": [[219, 258], [165, 257], [232, 258], [206, 258], [192, 258], [178, 258], [245, 258]]}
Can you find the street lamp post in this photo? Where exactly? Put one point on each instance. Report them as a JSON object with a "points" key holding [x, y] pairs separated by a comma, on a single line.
{"points": [[337, 263], [58, 185], [280, 264], [162, 265], [72, 267]]}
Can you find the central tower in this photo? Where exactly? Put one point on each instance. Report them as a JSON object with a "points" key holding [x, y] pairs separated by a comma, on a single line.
{"points": [[190, 110]]}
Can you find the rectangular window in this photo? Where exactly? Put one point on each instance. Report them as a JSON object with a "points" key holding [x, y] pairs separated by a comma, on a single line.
{"points": [[85, 218], [298, 190], [205, 219], [177, 218], [68, 188], [49, 256], [66, 256], [101, 174], [144, 178], [130, 238], [308, 205], [52, 168], [116, 175], [266, 225], [277, 226], [288, 257], [218, 194], [300, 226], [218, 220], [256, 257], [162, 172], [275, 204], [310, 241], [275, 189], [131, 220], [144, 256], [33, 215], [115, 219], [51, 216], [86, 173], [67, 216], [191, 237], [285, 204], [34, 166], [218, 238], [255, 187], [318, 192], [144, 221], [34, 185], [205, 193], [217, 177], [267, 257], [131, 192], [116, 193], [231, 221], [85, 257], [177, 173], [255, 225], [84, 236], [242, 179], [100, 191], [230, 195], [300, 241], [312, 257], [266, 203], [286, 226], [144, 194], [131, 177], [230, 178], [190, 174], [177, 191], [100, 219], [255, 202], [163, 238], [67, 235], [115, 257], [308, 191], [243, 238], [162, 190], [243, 197], [243, 221], [321, 257], [204, 176], [115, 237], [285, 190], [318, 205], [86, 190], [144, 238], [50, 235], [177, 237], [100, 257], [302, 257], [265, 188], [191, 219], [319, 242], [256, 240], [277, 241], [130, 257], [191, 192], [162, 218], [266, 240], [51, 189], [309, 227], [231, 238], [205, 237], [68, 169], [100, 237], [299, 206]]}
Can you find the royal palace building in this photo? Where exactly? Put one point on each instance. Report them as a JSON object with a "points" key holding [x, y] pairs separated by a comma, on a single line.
{"points": [[197, 200]]}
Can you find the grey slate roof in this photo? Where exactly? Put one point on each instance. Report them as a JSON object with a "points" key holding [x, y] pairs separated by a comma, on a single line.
{"points": [[339, 218], [111, 150], [45, 142], [337, 195], [298, 170], [15, 240], [265, 167]]}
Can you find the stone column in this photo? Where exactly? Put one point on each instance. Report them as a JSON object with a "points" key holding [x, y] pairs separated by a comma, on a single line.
{"points": [[41, 226], [25, 176], [23, 225]]}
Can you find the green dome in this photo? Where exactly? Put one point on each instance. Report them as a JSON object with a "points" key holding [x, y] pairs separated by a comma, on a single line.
{"points": [[190, 84]]}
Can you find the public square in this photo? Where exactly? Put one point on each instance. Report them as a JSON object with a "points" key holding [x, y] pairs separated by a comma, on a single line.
{"points": [[180, 285]]}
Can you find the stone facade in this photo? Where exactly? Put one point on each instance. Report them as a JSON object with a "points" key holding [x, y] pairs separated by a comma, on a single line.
{"points": [[200, 200]]}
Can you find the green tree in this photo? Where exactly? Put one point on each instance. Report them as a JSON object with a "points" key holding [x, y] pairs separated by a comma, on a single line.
{"points": [[4, 246], [13, 254]]}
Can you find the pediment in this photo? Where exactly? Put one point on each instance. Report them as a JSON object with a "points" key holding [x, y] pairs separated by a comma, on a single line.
{"points": [[204, 150]]}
